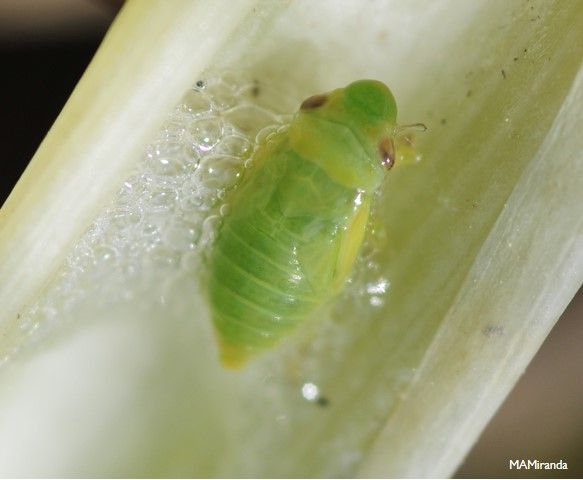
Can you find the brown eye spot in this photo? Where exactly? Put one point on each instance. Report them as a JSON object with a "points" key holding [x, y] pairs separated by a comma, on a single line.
{"points": [[387, 151], [314, 102]]}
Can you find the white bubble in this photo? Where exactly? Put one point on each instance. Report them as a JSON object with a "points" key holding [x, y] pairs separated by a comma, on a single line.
{"points": [[235, 145], [205, 133], [224, 210], [376, 301], [249, 118], [310, 391], [166, 159], [196, 103], [266, 134], [378, 287], [222, 94], [162, 199]]}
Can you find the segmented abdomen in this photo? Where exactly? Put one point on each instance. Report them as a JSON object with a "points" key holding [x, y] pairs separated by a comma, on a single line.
{"points": [[257, 287]]}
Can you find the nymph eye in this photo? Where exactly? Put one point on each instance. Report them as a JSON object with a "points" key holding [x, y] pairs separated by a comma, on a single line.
{"points": [[313, 102], [387, 152]]}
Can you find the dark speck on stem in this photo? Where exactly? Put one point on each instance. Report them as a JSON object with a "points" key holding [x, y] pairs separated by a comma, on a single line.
{"points": [[255, 90], [493, 331]]}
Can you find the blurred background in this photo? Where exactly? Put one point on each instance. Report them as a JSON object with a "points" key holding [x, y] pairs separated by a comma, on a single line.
{"points": [[45, 45]]}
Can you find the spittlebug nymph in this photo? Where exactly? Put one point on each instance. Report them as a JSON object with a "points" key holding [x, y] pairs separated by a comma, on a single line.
{"points": [[298, 218]]}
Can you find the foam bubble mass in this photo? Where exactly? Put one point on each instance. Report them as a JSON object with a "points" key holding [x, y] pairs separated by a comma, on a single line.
{"points": [[167, 211]]}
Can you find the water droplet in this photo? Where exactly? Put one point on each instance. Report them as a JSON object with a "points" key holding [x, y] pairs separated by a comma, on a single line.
{"points": [[222, 94], [172, 131], [219, 172], [250, 118], [162, 200], [206, 133], [234, 145], [166, 159], [195, 103], [194, 197]]}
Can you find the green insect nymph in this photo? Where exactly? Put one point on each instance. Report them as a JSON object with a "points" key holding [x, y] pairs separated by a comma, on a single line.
{"points": [[298, 218]]}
